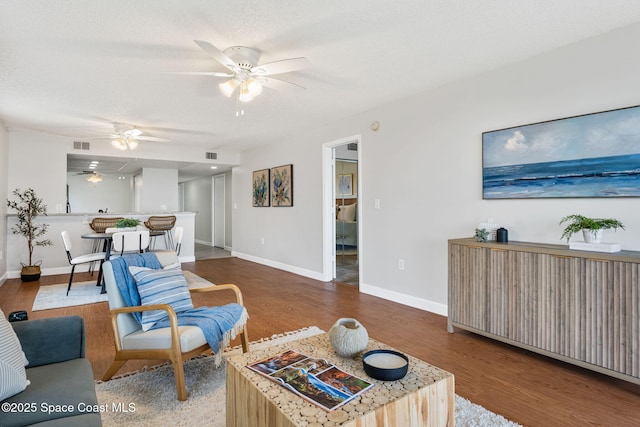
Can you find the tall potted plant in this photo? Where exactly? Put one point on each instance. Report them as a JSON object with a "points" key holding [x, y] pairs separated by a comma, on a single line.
{"points": [[28, 207]]}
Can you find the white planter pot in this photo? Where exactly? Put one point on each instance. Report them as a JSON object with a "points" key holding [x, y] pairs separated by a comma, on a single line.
{"points": [[592, 236], [348, 337]]}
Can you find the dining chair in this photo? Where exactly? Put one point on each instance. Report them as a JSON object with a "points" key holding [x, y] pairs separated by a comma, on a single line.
{"points": [[178, 233], [81, 259], [129, 242]]}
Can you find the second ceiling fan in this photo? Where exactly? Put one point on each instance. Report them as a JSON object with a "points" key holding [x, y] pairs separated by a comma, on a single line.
{"points": [[244, 72], [127, 136]]}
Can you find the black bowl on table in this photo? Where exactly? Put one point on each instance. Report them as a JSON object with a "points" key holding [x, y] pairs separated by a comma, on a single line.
{"points": [[385, 365]]}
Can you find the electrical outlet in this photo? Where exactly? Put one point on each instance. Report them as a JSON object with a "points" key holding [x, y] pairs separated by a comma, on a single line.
{"points": [[262, 240], [376, 203], [1, 254], [400, 264]]}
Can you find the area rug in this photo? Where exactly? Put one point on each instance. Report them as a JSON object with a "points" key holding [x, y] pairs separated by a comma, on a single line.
{"points": [[55, 296], [148, 397]]}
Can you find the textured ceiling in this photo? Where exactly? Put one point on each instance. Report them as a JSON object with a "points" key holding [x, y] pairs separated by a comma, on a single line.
{"points": [[71, 68]]}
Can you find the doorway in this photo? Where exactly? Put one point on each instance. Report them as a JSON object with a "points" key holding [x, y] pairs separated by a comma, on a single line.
{"points": [[346, 195], [218, 209], [342, 220]]}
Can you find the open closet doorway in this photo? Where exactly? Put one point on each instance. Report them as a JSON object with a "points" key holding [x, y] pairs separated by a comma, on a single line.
{"points": [[347, 225]]}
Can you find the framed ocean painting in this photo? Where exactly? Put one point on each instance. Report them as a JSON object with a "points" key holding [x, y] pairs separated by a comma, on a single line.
{"points": [[593, 155]]}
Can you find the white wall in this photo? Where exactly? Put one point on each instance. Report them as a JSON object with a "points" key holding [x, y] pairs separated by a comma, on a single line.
{"points": [[425, 166], [159, 190], [197, 198], [4, 176]]}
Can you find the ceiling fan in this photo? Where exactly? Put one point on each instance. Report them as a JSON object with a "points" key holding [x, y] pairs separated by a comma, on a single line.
{"points": [[245, 73], [93, 176], [127, 136]]}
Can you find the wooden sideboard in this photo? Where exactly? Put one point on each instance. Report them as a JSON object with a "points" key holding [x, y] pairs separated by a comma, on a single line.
{"points": [[577, 306]]}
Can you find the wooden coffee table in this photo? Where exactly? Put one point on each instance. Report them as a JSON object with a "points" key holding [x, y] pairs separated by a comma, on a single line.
{"points": [[424, 397]]}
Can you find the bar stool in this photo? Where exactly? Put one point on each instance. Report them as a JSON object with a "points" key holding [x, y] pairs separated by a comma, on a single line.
{"points": [[100, 225], [162, 224]]}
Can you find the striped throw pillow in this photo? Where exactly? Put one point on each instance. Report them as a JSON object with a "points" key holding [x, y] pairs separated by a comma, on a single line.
{"points": [[13, 377], [161, 287]]}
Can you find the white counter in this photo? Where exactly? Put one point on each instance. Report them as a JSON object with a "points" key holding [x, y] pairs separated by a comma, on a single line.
{"points": [[54, 258]]}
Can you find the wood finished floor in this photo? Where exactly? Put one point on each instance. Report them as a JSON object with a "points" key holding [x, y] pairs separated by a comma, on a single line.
{"points": [[524, 387]]}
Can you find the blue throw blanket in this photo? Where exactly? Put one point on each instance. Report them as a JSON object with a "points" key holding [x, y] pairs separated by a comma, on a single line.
{"points": [[216, 322]]}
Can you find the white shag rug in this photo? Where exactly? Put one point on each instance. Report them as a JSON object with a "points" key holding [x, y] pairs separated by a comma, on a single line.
{"points": [[148, 397], [55, 296]]}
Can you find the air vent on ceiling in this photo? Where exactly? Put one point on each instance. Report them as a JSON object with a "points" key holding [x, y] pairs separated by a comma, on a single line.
{"points": [[211, 156], [353, 146], [80, 145]]}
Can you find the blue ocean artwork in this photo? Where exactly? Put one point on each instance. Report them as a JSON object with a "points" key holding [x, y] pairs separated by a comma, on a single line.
{"points": [[595, 155], [614, 176]]}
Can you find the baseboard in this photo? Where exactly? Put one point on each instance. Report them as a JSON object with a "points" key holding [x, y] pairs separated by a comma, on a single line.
{"points": [[411, 301], [203, 242], [280, 266]]}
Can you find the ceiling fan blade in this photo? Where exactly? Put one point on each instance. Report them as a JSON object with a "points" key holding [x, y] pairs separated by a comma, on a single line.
{"points": [[104, 137], [278, 84], [217, 54], [278, 67], [151, 138], [204, 73], [133, 132]]}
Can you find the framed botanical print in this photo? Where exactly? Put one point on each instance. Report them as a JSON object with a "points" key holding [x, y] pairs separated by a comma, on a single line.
{"points": [[282, 186], [260, 191]]}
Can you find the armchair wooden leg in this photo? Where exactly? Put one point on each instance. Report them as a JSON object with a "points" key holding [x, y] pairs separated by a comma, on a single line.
{"points": [[181, 387], [244, 337], [117, 364]]}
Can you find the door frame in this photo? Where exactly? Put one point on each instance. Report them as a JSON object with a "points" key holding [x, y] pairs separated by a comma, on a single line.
{"points": [[213, 210], [329, 205]]}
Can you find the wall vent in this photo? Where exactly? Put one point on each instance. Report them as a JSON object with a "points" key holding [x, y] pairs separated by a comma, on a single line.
{"points": [[353, 146], [80, 145], [211, 156]]}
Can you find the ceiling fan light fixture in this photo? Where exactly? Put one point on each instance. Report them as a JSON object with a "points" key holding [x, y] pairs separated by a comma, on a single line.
{"points": [[228, 87], [132, 143], [94, 178], [245, 94], [255, 87], [119, 144]]}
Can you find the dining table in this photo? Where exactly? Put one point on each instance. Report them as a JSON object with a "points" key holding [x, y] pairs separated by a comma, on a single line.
{"points": [[108, 237]]}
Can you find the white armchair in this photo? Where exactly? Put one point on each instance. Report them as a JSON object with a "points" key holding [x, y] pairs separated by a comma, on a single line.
{"points": [[175, 343]]}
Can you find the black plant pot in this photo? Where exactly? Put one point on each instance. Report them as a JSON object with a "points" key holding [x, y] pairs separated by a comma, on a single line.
{"points": [[30, 273]]}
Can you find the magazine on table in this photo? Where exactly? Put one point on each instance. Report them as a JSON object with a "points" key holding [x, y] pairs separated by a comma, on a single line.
{"points": [[315, 380]]}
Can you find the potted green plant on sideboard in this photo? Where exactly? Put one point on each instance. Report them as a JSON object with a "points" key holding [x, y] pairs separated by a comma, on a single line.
{"points": [[28, 207], [591, 227]]}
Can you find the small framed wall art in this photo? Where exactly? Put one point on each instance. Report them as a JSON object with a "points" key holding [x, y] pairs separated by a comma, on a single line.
{"points": [[282, 186], [260, 191], [345, 185]]}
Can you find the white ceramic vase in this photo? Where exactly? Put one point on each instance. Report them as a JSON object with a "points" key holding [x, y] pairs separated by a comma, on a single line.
{"points": [[348, 337], [592, 236]]}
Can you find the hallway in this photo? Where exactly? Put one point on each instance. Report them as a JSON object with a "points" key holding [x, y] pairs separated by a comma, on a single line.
{"points": [[209, 252]]}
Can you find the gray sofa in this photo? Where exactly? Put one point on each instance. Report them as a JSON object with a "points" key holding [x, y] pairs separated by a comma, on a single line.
{"points": [[62, 390]]}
